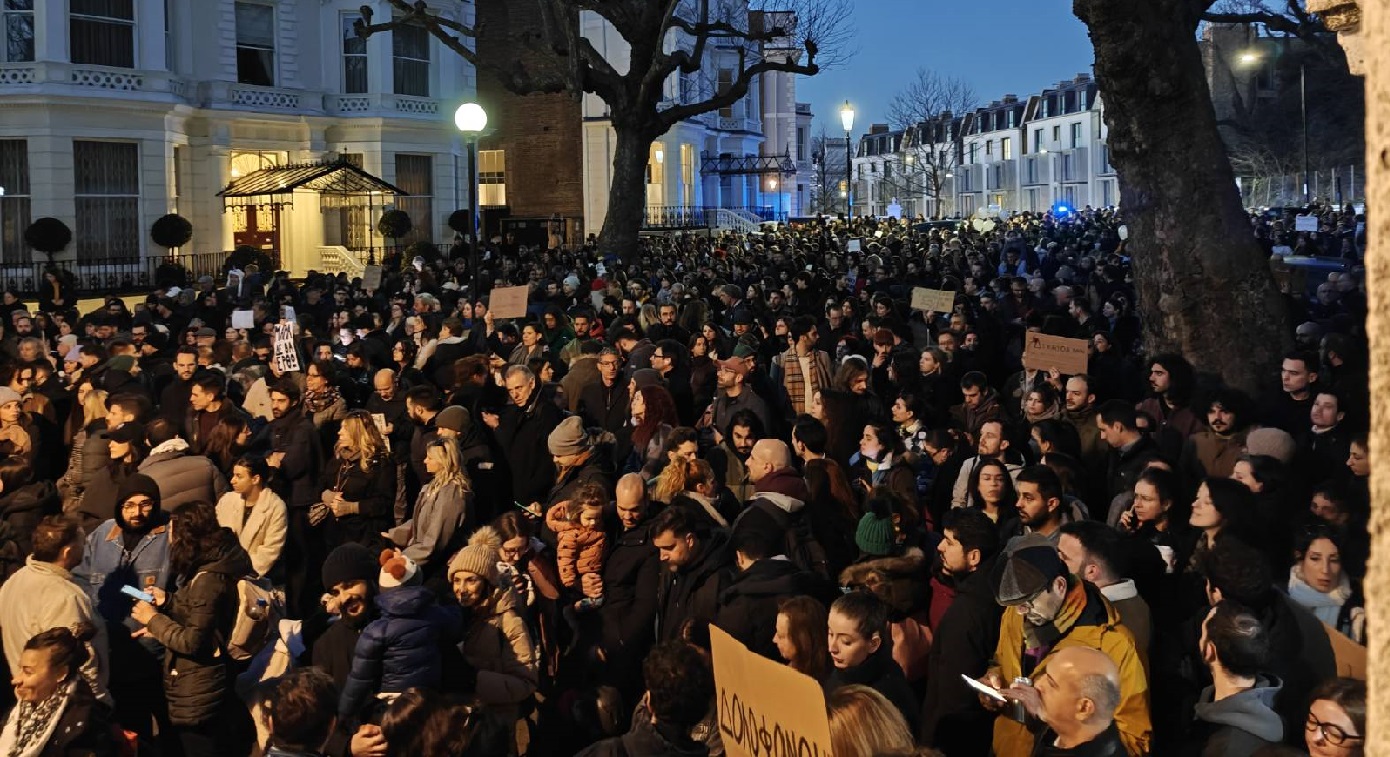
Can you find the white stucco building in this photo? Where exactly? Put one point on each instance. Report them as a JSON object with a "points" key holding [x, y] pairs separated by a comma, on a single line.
{"points": [[117, 112], [751, 157]]}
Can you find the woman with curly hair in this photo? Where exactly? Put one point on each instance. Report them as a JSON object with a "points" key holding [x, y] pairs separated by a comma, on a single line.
{"points": [[359, 485], [653, 413]]}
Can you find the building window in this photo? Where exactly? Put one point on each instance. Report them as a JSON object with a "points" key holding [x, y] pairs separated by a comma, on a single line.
{"points": [[102, 32], [722, 85], [18, 18], [492, 178], [354, 57], [178, 178], [1012, 116], [107, 178], [410, 50], [255, 44], [1037, 140], [415, 177], [1075, 136], [800, 144], [169, 35], [688, 175], [1006, 148], [1057, 134], [989, 148], [14, 203]]}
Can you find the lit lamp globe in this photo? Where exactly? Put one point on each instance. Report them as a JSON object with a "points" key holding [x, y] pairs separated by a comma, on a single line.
{"points": [[847, 116], [470, 118]]}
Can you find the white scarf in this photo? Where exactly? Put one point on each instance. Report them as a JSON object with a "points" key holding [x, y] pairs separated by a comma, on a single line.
{"points": [[1326, 606], [10, 736]]}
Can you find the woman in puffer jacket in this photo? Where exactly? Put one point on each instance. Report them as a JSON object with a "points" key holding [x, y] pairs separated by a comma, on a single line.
{"points": [[191, 623]]}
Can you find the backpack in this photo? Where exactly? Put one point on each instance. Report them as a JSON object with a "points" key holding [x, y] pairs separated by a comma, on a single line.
{"points": [[801, 547], [259, 610]]}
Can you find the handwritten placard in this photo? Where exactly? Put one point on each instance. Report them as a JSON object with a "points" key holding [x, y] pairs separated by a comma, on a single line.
{"points": [[1044, 352], [1305, 223], [243, 319], [371, 278], [508, 302], [765, 708], [933, 300], [285, 355]]}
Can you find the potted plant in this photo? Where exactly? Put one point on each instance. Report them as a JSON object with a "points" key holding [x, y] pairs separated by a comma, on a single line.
{"points": [[394, 224], [48, 235], [171, 231]]}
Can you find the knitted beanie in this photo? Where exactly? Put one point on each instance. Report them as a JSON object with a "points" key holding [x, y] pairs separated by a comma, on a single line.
{"points": [[875, 535], [569, 438], [397, 570], [347, 563], [1275, 443], [480, 556]]}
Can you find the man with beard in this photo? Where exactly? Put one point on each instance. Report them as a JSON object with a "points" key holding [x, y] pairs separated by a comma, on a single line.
{"points": [[965, 633], [1171, 380], [583, 321], [730, 458], [349, 576], [422, 406], [1080, 399], [1055, 611], [992, 444], [1042, 508], [628, 584], [297, 456], [1213, 452], [131, 549], [735, 395], [696, 560], [388, 401], [174, 400]]}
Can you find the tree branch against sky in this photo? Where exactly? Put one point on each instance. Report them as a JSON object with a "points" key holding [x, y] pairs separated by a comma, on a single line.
{"points": [[667, 39], [928, 146]]}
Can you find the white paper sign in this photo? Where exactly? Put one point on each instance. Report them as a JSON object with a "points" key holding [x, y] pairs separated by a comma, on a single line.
{"points": [[1124, 233], [853, 245], [371, 278], [596, 299], [286, 358], [1305, 223], [288, 315], [243, 319]]}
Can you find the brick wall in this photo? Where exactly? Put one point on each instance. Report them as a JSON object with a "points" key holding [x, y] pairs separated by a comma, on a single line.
{"points": [[540, 133]]}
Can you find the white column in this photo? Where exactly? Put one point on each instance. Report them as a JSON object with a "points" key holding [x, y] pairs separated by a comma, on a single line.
{"points": [[149, 35], [51, 31]]}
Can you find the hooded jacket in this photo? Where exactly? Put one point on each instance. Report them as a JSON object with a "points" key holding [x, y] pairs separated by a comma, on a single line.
{"points": [[778, 497], [748, 604], [183, 477], [902, 583], [193, 627], [23, 508], [1238, 725], [692, 593], [400, 649]]}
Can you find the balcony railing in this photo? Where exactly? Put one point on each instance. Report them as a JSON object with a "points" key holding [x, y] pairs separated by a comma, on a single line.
{"points": [[99, 276], [69, 78], [657, 217]]}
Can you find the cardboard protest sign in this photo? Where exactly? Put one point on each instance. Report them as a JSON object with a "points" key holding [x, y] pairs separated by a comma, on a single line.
{"points": [[1305, 223], [243, 319], [1351, 657], [508, 302], [285, 355], [933, 300], [371, 277], [1043, 352], [853, 245], [765, 708]]}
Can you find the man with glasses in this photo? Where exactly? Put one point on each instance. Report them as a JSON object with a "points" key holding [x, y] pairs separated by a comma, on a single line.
{"points": [[670, 360], [1055, 611], [604, 403]]}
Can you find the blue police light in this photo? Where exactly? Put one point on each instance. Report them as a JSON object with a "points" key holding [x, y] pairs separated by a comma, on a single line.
{"points": [[1061, 209]]}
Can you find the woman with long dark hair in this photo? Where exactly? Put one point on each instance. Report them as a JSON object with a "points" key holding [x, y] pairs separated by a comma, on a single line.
{"points": [[229, 440], [127, 448], [192, 623]]}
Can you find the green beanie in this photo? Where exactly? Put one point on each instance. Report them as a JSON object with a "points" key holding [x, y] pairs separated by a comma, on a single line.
{"points": [[875, 535]]}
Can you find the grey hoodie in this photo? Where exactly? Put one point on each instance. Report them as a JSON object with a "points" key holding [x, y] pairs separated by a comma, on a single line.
{"points": [[1240, 724]]}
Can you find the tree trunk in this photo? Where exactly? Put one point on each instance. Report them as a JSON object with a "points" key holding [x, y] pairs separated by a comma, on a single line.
{"points": [[1204, 286], [627, 195]]}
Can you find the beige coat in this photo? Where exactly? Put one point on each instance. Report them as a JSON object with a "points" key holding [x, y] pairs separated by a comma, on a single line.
{"points": [[40, 596], [262, 534], [500, 647]]}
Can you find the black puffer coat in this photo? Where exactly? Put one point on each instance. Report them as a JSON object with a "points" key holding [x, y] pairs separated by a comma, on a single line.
{"points": [[193, 626]]}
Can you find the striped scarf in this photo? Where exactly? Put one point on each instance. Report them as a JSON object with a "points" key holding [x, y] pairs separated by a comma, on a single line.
{"points": [[801, 388]]}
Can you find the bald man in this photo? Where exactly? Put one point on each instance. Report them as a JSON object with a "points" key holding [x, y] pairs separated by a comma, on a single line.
{"points": [[388, 401], [778, 506], [629, 586], [1075, 696]]}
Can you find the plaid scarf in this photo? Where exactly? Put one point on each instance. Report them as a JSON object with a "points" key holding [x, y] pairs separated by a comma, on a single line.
{"points": [[32, 723], [318, 402], [801, 388]]}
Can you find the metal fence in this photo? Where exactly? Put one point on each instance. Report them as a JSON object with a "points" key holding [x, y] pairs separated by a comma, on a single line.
{"points": [[1341, 185], [103, 276], [694, 217]]}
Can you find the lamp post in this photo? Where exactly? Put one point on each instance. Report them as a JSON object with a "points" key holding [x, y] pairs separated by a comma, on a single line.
{"points": [[471, 119], [847, 121], [1250, 58]]}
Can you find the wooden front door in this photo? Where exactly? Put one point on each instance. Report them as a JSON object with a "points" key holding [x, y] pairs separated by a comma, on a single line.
{"points": [[257, 226]]}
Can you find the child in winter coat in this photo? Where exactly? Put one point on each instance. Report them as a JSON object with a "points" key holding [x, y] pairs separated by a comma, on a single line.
{"points": [[400, 649], [580, 541]]}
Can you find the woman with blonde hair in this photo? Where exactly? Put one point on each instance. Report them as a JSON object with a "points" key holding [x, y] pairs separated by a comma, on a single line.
{"points": [[698, 488], [359, 485], [89, 416], [864, 723], [802, 626], [442, 511]]}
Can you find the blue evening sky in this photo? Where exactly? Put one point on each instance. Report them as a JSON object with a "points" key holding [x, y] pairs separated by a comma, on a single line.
{"points": [[1000, 47]]}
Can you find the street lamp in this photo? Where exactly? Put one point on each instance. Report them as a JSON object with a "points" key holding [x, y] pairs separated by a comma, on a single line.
{"points": [[471, 119], [847, 121], [1251, 57]]}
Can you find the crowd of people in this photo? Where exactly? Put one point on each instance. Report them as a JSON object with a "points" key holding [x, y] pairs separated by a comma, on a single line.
{"points": [[422, 529]]}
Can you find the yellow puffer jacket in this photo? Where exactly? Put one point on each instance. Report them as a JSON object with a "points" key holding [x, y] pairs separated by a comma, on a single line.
{"points": [[1012, 739]]}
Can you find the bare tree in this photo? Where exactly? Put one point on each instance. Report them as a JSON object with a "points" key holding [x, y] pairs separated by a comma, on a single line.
{"points": [[671, 42], [825, 190], [927, 111]]}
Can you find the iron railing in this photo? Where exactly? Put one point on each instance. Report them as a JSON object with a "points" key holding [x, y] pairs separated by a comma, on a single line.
{"points": [[101, 276], [694, 217]]}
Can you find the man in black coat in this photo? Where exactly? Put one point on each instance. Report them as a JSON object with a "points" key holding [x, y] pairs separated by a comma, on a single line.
{"points": [[964, 638], [748, 604], [604, 403], [522, 431], [1130, 449], [297, 456], [697, 562], [349, 576], [628, 586]]}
